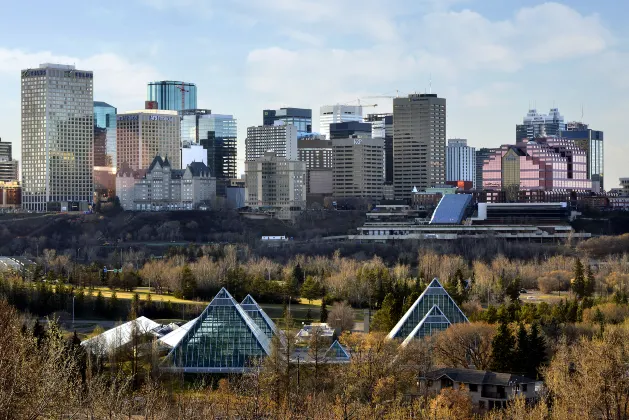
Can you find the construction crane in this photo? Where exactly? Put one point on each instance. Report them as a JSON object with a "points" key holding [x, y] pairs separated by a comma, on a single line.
{"points": [[183, 91], [359, 104]]}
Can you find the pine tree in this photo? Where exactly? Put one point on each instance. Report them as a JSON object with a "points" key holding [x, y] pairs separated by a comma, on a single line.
{"points": [[39, 332], [383, 319], [590, 282], [491, 314], [323, 313], [502, 347], [99, 304], [188, 284], [537, 351], [522, 352], [310, 289], [578, 283], [135, 307], [113, 304]]}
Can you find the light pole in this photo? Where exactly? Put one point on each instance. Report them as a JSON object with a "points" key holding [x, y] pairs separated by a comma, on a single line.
{"points": [[73, 311]]}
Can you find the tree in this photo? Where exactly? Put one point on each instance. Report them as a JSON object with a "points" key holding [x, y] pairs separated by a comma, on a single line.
{"points": [[537, 351], [578, 283], [341, 317], [590, 282], [310, 289], [513, 289], [522, 350], [323, 312], [452, 404], [187, 284], [465, 345], [502, 347], [383, 319]]}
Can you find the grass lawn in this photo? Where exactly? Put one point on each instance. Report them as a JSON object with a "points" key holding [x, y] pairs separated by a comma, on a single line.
{"points": [[143, 293]]}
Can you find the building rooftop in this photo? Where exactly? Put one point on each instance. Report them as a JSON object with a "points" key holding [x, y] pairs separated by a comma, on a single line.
{"points": [[103, 104], [480, 377]]}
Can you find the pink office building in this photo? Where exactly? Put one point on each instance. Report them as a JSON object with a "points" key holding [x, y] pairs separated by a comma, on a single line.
{"points": [[547, 164]]}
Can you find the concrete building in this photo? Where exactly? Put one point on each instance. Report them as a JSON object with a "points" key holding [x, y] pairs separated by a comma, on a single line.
{"points": [[301, 118], [460, 161], [590, 141], [57, 138], [357, 168], [142, 135], [276, 185], [624, 184], [382, 127], [546, 164], [330, 114], [8, 166], [10, 195], [168, 94], [536, 125], [104, 134], [419, 143], [280, 139], [316, 152], [162, 188]]}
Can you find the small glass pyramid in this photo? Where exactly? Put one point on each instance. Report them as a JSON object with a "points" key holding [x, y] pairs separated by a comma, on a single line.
{"points": [[336, 351], [260, 317]]}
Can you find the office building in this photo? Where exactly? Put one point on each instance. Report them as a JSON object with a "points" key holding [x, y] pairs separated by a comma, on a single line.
{"points": [[104, 132], [460, 161], [10, 195], [546, 164], [536, 125], [162, 188], [210, 138], [142, 135], [276, 185], [482, 154], [419, 143], [57, 138], [330, 114], [357, 167], [8, 166], [316, 152], [299, 117], [382, 127], [591, 141], [280, 139], [168, 95], [347, 129]]}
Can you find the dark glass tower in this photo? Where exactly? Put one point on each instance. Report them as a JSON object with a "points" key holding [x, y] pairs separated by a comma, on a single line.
{"points": [[382, 126], [167, 94], [299, 117], [591, 141]]}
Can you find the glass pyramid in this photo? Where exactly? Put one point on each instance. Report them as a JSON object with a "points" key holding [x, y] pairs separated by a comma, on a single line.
{"points": [[434, 295], [260, 317], [337, 352], [224, 339], [433, 322]]}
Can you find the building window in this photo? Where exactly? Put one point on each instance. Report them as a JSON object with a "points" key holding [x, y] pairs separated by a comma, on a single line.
{"points": [[473, 387]]}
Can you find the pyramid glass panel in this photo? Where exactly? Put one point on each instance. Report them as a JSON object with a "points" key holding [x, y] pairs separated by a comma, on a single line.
{"points": [[260, 317], [434, 321], [336, 351], [224, 339], [434, 295]]}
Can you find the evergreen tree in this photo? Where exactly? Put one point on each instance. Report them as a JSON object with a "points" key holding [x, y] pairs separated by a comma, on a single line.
{"points": [[297, 275], [578, 283], [522, 352], [188, 284], [537, 351], [599, 318], [99, 304], [572, 311], [513, 289], [323, 313], [134, 312], [383, 319], [39, 332], [491, 314], [502, 348], [590, 282], [113, 304], [310, 289]]}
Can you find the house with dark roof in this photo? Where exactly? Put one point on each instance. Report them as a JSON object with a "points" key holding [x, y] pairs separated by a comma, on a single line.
{"points": [[488, 390], [162, 188]]}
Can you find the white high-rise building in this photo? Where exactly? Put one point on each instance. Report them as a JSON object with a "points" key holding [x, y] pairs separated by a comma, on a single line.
{"points": [[329, 114], [280, 138], [57, 138], [460, 161]]}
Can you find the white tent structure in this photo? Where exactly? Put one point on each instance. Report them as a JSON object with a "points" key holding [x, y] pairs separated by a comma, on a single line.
{"points": [[119, 336], [173, 338]]}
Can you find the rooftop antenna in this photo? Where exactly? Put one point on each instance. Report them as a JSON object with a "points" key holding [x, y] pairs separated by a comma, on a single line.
{"points": [[430, 83]]}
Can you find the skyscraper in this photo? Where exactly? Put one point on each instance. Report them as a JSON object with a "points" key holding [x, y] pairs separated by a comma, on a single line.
{"points": [[142, 135], [299, 117], [281, 139], [317, 153], [590, 141], [8, 166], [536, 125], [57, 138], [329, 114], [105, 125], [460, 161], [357, 169], [382, 127], [419, 143], [481, 155], [167, 94]]}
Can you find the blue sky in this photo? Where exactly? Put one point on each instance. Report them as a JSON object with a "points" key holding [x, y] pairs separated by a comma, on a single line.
{"points": [[489, 58]]}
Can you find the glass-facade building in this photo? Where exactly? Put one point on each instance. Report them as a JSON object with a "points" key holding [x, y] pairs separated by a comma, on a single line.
{"points": [[168, 95], [422, 318], [224, 339], [105, 129], [591, 141], [299, 117]]}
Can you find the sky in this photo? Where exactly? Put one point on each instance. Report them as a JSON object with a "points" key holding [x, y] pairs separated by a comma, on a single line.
{"points": [[491, 59]]}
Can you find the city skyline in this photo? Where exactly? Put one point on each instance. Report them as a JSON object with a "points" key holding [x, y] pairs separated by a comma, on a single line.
{"points": [[487, 64]]}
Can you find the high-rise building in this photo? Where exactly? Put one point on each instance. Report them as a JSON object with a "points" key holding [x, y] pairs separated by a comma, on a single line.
{"points": [[357, 168], [536, 125], [382, 127], [299, 117], [276, 184], [546, 164], [168, 95], [330, 114], [419, 143], [280, 138], [104, 130], [316, 151], [591, 141], [460, 161], [216, 135], [482, 154], [142, 135], [8, 166], [347, 129], [57, 138]]}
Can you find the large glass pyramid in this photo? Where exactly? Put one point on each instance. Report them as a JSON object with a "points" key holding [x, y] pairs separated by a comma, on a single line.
{"points": [[433, 322], [434, 295], [260, 317], [337, 352], [224, 339]]}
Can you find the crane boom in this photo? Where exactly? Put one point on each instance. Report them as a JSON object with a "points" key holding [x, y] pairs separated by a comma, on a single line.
{"points": [[183, 90]]}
